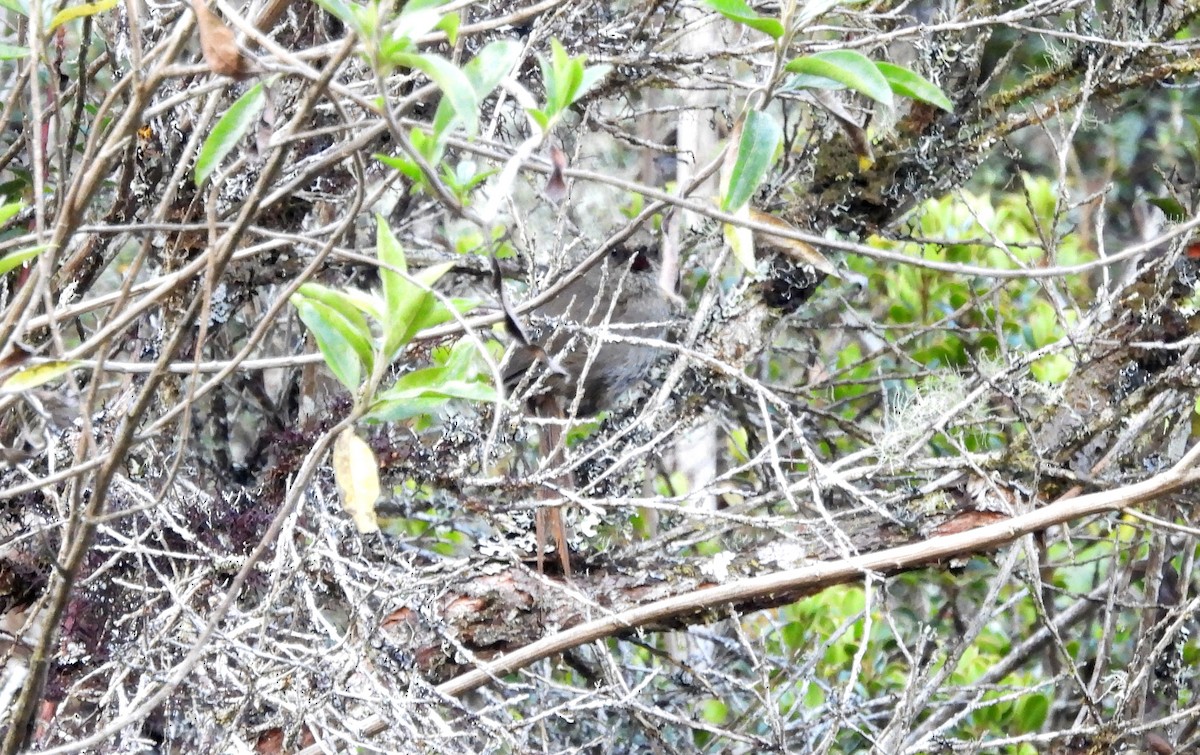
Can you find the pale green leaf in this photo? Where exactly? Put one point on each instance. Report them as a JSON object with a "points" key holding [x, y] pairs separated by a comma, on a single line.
{"points": [[40, 374], [851, 68], [415, 23], [229, 130], [741, 240], [342, 12], [395, 288], [485, 72], [908, 84], [407, 167], [542, 119], [487, 69], [739, 12], [573, 78], [12, 52], [421, 391], [365, 302], [558, 95], [809, 81], [395, 410], [592, 75], [761, 136], [412, 308], [452, 81], [449, 24], [429, 310], [15, 259], [350, 303], [9, 211], [336, 339]]}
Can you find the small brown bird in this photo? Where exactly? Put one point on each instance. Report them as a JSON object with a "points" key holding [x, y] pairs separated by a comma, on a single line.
{"points": [[621, 297]]}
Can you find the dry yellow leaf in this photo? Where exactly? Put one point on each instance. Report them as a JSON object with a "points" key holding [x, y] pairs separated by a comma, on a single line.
{"points": [[357, 476]]}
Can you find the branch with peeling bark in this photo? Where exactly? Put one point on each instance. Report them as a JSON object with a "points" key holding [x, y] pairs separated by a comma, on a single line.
{"points": [[786, 586]]}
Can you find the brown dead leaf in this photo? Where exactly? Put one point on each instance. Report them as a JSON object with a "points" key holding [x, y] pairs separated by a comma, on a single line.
{"points": [[270, 742], [357, 476], [556, 185], [968, 520], [14, 357], [218, 44]]}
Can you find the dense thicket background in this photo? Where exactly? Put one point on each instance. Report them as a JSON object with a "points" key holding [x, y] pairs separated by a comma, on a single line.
{"points": [[940, 501]]}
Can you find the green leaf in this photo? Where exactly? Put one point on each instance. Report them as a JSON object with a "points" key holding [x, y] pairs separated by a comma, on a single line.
{"points": [[422, 391], [342, 12], [412, 308], [395, 410], [571, 83], [550, 82], [10, 210], [39, 374], [461, 359], [390, 252], [449, 24], [12, 52], [465, 177], [741, 240], [407, 167], [349, 303], [853, 69], [431, 312], [485, 72], [453, 83], [15, 259], [229, 130], [566, 80], [426, 146], [809, 81], [541, 118], [714, 711], [487, 69], [1031, 712], [592, 75], [343, 347], [739, 12], [908, 84], [395, 287], [558, 96], [365, 21], [440, 382], [1171, 207], [16, 6], [761, 136], [79, 11], [412, 24]]}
